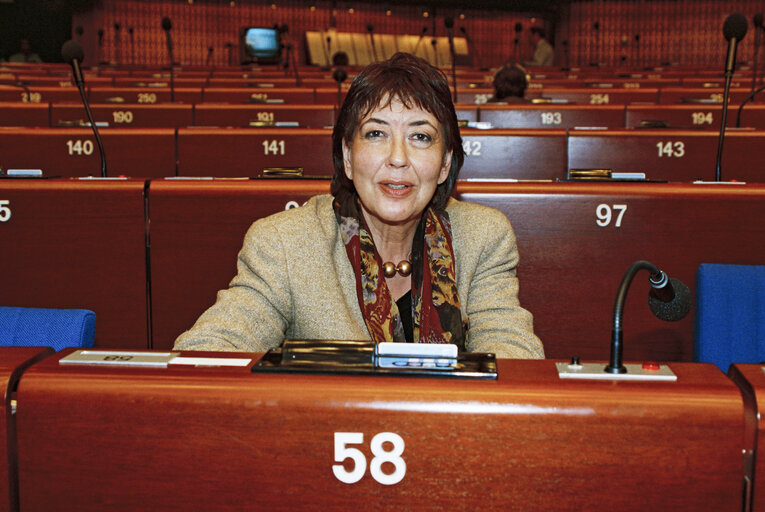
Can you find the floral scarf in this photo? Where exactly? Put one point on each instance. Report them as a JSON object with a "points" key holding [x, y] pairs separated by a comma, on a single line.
{"points": [[436, 314]]}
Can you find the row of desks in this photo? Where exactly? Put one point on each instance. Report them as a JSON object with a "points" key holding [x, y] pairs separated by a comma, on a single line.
{"points": [[329, 94], [524, 116], [195, 438], [149, 256], [535, 154]]}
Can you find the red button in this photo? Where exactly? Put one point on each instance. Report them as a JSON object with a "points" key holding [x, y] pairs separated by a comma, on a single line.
{"points": [[650, 366]]}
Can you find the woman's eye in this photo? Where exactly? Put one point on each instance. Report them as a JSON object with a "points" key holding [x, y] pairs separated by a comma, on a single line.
{"points": [[422, 137], [373, 134]]}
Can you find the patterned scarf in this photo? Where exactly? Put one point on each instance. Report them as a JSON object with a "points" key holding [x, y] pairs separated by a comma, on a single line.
{"points": [[436, 313]]}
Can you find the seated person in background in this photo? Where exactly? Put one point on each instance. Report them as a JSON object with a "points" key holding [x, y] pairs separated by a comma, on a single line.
{"points": [[389, 256], [543, 51], [510, 84], [25, 53]]}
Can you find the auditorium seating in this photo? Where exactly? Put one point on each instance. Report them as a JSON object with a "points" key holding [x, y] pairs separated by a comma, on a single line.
{"points": [[46, 327]]}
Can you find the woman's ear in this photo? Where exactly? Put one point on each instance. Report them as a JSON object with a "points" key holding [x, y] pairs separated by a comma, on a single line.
{"points": [[347, 161], [445, 168]]}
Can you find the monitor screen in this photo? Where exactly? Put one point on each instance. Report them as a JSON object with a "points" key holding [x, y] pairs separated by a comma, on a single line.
{"points": [[261, 42]]}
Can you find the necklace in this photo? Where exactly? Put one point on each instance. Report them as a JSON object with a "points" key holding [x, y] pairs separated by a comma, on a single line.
{"points": [[404, 268]]}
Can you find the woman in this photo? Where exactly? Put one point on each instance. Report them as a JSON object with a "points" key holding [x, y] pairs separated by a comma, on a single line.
{"points": [[389, 256]]}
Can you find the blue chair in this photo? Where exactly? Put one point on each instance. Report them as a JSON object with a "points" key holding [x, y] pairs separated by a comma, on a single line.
{"points": [[730, 314], [55, 328]]}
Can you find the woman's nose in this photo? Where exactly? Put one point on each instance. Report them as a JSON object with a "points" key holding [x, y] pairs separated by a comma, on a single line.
{"points": [[398, 152]]}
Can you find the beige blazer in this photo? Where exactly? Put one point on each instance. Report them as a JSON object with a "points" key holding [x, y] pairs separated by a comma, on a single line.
{"points": [[295, 281]]}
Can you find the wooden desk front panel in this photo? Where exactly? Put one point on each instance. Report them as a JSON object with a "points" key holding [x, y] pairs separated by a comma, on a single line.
{"points": [[240, 116], [297, 95], [159, 82], [180, 439], [39, 94], [15, 113], [73, 152], [196, 232], [672, 155], [78, 244], [515, 154], [165, 115], [552, 116], [595, 96], [696, 116], [144, 95], [246, 152], [13, 361], [715, 95]]}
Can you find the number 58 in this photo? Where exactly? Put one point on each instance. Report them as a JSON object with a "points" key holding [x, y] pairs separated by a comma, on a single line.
{"points": [[343, 452]]}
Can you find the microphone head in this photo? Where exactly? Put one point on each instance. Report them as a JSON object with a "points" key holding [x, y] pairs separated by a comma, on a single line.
{"points": [[449, 22], [79, 30], [370, 28], [284, 28], [735, 26], [339, 75], [757, 20], [71, 51], [518, 27], [130, 30], [596, 26], [677, 308], [117, 27], [462, 29], [166, 24], [424, 29]]}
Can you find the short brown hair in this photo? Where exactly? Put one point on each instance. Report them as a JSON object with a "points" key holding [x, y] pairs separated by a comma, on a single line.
{"points": [[412, 81]]}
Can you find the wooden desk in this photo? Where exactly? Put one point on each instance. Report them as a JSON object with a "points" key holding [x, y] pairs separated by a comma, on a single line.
{"points": [[552, 116], [751, 379], [702, 94], [16, 113], [297, 95], [695, 116], [673, 155], [234, 152], [514, 154], [144, 95], [39, 94], [163, 115], [13, 362], [226, 439], [73, 152], [78, 244], [240, 116]]}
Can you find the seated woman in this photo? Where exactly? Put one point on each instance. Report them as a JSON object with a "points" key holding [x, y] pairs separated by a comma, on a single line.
{"points": [[388, 256], [510, 83]]}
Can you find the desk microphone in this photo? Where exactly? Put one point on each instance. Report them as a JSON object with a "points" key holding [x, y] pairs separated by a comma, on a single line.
{"points": [[449, 23], [73, 54], [371, 30], [422, 34], [669, 300], [758, 26], [339, 75], [474, 50], [291, 58], [117, 44], [734, 30], [167, 25]]}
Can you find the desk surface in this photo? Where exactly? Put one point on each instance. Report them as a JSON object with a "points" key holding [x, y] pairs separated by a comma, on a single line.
{"points": [[229, 439]]}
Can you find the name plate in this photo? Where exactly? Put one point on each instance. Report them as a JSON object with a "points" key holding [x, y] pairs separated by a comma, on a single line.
{"points": [[119, 358]]}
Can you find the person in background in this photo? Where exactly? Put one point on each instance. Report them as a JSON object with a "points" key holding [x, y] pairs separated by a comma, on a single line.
{"points": [[389, 255], [543, 51], [25, 53], [510, 83]]}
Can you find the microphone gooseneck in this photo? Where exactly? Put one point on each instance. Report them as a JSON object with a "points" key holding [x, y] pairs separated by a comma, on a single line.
{"points": [[734, 30], [73, 54], [758, 26], [669, 300], [449, 23], [371, 30], [339, 75], [167, 25]]}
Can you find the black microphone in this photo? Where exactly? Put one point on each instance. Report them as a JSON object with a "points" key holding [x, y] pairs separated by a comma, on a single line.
{"points": [[100, 44], [209, 55], [328, 49], [132, 47], [73, 54], [79, 31], [449, 24], [292, 59], [339, 75], [734, 30], [747, 100], [757, 21], [669, 300], [117, 44], [167, 25], [422, 34], [371, 30], [474, 49]]}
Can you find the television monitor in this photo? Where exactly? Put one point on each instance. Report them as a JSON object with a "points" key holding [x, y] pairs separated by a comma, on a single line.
{"points": [[262, 44]]}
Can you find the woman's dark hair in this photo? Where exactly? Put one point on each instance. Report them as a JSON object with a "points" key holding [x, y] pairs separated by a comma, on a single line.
{"points": [[510, 80], [415, 83]]}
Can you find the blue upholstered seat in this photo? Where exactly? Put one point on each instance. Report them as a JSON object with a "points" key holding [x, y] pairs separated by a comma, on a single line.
{"points": [[730, 314], [55, 328]]}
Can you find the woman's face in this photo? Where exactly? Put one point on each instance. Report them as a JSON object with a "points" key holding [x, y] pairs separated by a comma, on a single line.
{"points": [[396, 161]]}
